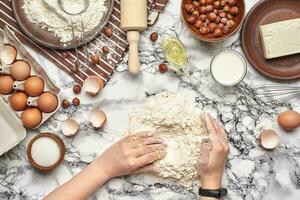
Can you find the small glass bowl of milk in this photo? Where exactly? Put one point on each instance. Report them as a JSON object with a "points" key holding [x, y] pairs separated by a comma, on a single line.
{"points": [[228, 68]]}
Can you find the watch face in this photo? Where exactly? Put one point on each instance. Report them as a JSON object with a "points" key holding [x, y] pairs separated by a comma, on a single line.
{"points": [[223, 192]]}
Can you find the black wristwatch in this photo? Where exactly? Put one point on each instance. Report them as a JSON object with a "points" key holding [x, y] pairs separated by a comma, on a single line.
{"points": [[222, 192]]}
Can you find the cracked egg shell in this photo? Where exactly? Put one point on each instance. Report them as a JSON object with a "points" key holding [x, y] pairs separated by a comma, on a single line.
{"points": [[8, 54], [97, 118], [20, 70], [70, 127], [6, 84], [92, 85], [269, 139]]}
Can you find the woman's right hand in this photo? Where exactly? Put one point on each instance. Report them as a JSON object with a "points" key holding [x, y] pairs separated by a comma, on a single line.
{"points": [[133, 154]]}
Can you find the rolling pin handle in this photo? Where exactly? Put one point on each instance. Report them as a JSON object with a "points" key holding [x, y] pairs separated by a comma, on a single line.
{"points": [[133, 38]]}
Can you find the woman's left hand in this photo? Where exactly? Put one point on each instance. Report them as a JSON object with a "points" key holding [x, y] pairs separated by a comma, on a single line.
{"points": [[133, 154]]}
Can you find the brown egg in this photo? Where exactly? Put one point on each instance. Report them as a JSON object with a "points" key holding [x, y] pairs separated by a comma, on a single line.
{"points": [[47, 102], [20, 70], [6, 84], [31, 117], [18, 101], [289, 120], [34, 86]]}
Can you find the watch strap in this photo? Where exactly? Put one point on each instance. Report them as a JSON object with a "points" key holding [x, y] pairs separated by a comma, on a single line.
{"points": [[222, 192]]}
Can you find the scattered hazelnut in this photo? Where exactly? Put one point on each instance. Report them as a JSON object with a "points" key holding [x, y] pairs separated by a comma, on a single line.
{"points": [[76, 89], [105, 49], [191, 19], [154, 36], [64, 54], [189, 8], [204, 30], [230, 23], [212, 27], [202, 17], [209, 2], [202, 10], [163, 68], [198, 23], [195, 13], [233, 10], [226, 8], [196, 4], [212, 17], [95, 59], [232, 2], [224, 20], [209, 8], [202, 2], [74, 68], [225, 29], [65, 104], [217, 4], [217, 32], [108, 31], [76, 101]]}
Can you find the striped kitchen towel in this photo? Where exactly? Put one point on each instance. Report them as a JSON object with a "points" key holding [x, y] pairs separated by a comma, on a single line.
{"points": [[66, 60]]}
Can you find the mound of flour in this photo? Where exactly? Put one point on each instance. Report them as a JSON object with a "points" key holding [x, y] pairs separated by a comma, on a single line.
{"points": [[49, 15], [176, 119]]}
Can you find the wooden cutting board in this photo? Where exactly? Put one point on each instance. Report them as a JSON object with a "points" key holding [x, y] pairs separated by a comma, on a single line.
{"points": [[266, 12]]}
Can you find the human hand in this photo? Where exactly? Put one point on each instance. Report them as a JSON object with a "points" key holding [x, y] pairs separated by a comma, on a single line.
{"points": [[133, 154], [213, 155]]}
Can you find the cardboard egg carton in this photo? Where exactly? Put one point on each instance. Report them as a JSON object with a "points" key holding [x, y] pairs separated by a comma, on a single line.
{"points": [[10, 120]]}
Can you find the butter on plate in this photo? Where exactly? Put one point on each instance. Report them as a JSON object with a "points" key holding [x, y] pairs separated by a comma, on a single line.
{"points": [[281, 38]]}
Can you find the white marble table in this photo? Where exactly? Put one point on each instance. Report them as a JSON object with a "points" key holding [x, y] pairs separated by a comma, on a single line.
{"points": [[251, 173]]}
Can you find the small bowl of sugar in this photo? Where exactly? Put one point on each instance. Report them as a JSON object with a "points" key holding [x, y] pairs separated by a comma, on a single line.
{"points": [[228, 68]]}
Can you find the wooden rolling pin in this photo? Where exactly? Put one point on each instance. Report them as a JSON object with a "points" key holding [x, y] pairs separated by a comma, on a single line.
{"points": [[133, 20]]}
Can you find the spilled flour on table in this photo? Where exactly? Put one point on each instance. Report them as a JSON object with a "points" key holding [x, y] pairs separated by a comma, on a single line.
{"points": [[176, 119], [49, 15]]}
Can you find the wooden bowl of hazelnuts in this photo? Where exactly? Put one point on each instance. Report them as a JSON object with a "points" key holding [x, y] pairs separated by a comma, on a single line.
{"points": [[213, 20]]}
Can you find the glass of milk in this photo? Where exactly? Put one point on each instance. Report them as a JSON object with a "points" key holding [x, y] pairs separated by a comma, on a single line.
{"points": [[228, 67]]}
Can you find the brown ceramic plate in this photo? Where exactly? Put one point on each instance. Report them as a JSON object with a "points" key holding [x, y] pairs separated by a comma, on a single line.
{"points": [[48, 39], [209, 37], [265, 12]]}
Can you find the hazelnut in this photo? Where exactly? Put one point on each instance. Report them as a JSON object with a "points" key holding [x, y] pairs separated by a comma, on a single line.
{"points": [[209, 8], [220, 25], [76, 101], [226, 8], [196, 4], [222, 14], [209, 2], [162, 68], [233, 10], [65, 104], [224, 20], [217, 4], [105, 49], [230, 23], [204, 30], [217, 32], [95, 59], [202, 17], [202, 2], [154, 36], [108, 31], [189, 8], [202, 10], [212, 17], [191, 19], [198, 23], [64, 54], [212, 27], [207, 21], [225, 29], [216, 11], [223, 3], [195, 13], [76, 89], [218, 20], [230, 17], [232, 2]]}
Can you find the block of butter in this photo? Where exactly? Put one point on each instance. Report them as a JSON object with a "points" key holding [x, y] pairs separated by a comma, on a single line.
{"points": [[281, 38]]}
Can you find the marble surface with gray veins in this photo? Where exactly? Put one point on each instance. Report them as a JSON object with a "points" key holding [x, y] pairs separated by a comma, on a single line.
{"points": [[251, 172]]}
